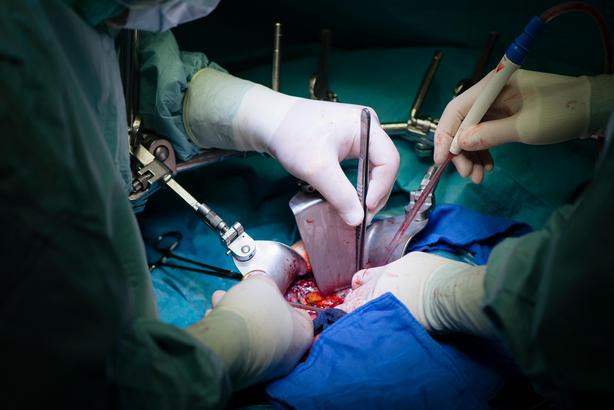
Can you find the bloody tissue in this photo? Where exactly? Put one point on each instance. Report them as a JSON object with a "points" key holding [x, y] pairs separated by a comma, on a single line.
{"points": [[304, 290]]}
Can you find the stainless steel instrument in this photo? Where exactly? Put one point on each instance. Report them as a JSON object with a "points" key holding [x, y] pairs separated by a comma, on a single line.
{"points": [[335, 249]]}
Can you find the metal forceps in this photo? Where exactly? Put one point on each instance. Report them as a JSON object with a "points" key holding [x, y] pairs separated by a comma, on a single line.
{"points": [[166, 244]]}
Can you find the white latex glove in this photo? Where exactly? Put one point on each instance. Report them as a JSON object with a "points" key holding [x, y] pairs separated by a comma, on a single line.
{"points": [[533, 108], [254, 331], [442, 294], [308, 137]]}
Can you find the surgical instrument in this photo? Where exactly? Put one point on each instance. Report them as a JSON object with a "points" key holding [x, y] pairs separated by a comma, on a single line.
{"points": [[168, 242], [420, 128], [306, 307], [280, 262], [332, 245], [410, 217], [480, 65], [362, 185], [381, 232], [276, 57], [318, 83]]}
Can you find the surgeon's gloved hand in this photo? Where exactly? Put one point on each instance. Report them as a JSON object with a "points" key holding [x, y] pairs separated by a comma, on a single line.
{"points": [[442, 294], [308, 137], [533, 108], [254, 331]]}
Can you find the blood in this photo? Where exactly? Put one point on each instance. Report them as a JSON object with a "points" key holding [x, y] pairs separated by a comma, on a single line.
{"points": [[304, 290], [300, 248], [411, 215]]}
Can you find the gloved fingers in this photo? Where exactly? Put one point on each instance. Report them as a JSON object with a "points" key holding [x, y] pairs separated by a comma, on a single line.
{"points": [[451, 119], [489, 134], [303, 325], [464, 163], [356, 298], [487, 160], [443, 140], [365, 276], [363, 284], [334, 186], [359, 278], [292, 343], [384, 160], [302, 332], [217, 297], [477, 174], [422, 261], [380, 187], [256, 284]]}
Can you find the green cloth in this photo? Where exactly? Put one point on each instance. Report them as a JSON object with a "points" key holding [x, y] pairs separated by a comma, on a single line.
{"points": [[95, 12], [78, 324], [165, 75], [551, 291]]}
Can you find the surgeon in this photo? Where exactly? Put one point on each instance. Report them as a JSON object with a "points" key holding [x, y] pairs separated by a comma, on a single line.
{"points": [[548, 294], [78, 321]]}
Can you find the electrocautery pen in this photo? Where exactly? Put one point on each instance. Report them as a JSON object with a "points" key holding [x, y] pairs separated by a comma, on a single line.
{"points": [[511, 61]]}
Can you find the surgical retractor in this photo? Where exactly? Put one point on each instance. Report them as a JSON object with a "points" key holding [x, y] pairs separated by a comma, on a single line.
{"points": [[362, 185]]}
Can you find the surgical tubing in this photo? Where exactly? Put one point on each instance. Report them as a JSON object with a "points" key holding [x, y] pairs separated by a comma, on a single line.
{"points": [[518, 50], [578, 6]]}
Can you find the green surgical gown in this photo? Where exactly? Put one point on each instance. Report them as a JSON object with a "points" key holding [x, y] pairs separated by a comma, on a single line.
{"points": [[78, 322], [551, 293]]}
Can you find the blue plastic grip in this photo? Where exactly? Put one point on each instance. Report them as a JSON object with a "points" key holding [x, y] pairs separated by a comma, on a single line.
{"points": [[519, 49]]}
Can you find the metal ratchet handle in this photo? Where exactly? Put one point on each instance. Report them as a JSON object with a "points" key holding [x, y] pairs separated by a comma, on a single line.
{"points": [[318, 83], [421, 126], [276, 57], [425, 85], [235, 239], [362, 185]]}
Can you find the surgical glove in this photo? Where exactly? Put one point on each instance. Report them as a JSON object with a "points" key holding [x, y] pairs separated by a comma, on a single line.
{"points": [[442, 294], [254, 331], [533, 108], [308, 137]]}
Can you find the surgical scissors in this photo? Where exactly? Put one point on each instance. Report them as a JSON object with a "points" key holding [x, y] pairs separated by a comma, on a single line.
{"points": [[167, 242]]}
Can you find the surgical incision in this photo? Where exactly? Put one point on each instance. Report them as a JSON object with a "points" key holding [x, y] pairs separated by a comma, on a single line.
{"points": [[304, 289]]}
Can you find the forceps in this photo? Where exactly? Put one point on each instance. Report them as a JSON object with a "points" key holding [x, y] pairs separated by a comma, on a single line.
{"points": [[166, 244]]}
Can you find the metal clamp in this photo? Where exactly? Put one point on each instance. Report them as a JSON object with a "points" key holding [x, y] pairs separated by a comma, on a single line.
{"points": [[381, 232], [239, 244], [318, 83], [421, 128], [480, 65], [429, 203], [147, 171], [242, 247]]}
